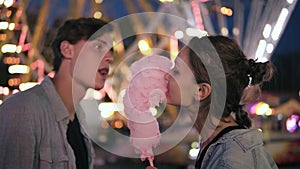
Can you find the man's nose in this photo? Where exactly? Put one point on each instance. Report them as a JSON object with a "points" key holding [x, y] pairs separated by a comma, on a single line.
{"points": [[109, 57]]}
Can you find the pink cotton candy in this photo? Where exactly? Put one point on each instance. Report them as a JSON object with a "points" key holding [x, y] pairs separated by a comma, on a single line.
{"points": [[147, 89], [144, 136]]}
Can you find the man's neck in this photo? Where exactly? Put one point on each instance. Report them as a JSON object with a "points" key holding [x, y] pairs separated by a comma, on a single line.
{"points": [[69, 93]]}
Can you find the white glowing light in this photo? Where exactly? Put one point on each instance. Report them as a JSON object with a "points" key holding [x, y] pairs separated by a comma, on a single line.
{"points": [[15, 91], [270, 48], [179, 34], [3, 25], [263, 109], [8, 3], [224, 31], [98, 1], [89, 94], [22, 69], [19, 49], [144, 47], [195, 32], [279, 24], [28, 85], [163, 1], [9, 48], [106, 114], [193, 153], [153, 111], [263, 59], [107, 109], [267, 31], [98, 14], [236, 31], [290, 1], [261, 49], [11, 26], [5, 91], [109, 106], [97, 95]]}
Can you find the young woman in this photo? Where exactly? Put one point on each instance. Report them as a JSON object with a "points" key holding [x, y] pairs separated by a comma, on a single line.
{"points": [[214, 74]]}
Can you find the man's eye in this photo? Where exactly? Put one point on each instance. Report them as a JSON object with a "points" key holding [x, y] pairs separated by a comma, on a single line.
{"points": [[98, 46]]}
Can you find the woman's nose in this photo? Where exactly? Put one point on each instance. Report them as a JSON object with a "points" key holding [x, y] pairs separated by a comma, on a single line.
{"points": [[167, 76]]}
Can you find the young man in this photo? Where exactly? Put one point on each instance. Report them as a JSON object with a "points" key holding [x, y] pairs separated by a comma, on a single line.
{"points": [[39, 127]]}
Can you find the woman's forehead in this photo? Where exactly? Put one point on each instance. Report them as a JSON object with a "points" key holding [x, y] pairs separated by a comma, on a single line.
{"points": [[183, 56]]}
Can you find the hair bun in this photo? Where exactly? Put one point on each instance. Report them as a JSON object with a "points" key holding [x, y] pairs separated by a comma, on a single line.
{"points": [[260, 72]]}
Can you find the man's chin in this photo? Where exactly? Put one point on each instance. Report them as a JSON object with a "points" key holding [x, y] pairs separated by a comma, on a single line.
{"points": [[98, 87]]}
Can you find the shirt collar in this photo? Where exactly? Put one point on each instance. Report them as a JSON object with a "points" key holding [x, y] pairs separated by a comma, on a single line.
{"points": [[60, 110]]}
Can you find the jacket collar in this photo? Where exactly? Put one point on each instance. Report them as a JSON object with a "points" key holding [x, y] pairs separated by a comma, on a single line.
{"points": [[246, 138]]}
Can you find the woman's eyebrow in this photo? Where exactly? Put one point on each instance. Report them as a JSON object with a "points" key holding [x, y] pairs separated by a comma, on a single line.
{"points": [[177, 63]]}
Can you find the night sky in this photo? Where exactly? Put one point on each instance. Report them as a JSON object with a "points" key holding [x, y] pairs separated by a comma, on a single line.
{"points": [[289, 41], [286, 58]]}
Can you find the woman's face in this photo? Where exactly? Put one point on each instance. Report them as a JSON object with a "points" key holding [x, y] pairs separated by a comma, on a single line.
{"points": [[182, 86]]}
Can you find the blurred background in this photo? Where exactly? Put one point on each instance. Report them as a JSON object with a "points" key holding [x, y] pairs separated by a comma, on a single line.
{"points": [[265, 29]]}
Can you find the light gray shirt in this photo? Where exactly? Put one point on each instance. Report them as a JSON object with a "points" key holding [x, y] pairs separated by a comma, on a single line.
{"points": [[33, 127]]}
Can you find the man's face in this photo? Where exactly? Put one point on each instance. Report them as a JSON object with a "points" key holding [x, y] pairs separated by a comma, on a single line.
{"points": [[91, 61]]}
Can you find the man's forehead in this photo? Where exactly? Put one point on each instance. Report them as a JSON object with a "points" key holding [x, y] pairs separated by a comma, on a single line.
{"points": [[105, 38]]}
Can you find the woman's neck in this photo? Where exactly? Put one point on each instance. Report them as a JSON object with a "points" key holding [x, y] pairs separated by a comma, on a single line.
{"points": [[223, 123]]}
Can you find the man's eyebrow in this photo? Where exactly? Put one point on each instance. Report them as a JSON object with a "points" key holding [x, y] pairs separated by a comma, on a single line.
{"points": [[102, 41]]}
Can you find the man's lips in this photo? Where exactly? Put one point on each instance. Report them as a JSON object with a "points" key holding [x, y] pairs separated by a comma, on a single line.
{"points": [[104, 71]]}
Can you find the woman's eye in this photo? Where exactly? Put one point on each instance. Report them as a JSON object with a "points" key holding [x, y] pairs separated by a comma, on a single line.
{"points": [[175, 72]]}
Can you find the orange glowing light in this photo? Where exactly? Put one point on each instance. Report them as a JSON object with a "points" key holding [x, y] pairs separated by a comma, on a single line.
{"points": [[118, 124], [14, 81], [11, 60]]}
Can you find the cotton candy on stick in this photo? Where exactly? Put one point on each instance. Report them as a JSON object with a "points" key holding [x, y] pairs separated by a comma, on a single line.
{"points": [[146, 90]]}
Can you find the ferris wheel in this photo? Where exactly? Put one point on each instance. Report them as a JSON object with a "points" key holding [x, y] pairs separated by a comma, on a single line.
{"points": [[26, 28]]}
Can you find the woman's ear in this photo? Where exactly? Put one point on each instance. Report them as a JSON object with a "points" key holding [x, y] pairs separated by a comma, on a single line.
{"points": [[204, 90], [66, 49]]}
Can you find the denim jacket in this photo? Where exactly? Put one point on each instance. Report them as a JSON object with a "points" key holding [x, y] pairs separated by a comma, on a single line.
{"points": [[238, 149]]}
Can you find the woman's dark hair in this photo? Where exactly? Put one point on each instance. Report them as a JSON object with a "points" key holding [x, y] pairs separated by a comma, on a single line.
{"points": [[240, 74], [74, 30]]}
